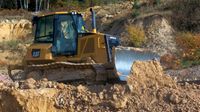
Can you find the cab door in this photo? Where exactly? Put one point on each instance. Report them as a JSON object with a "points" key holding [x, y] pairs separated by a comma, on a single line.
{"points": [[65, 35]]}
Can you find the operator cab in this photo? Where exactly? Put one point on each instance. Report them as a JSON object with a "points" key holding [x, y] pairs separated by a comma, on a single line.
{"points": [[61, 30]]}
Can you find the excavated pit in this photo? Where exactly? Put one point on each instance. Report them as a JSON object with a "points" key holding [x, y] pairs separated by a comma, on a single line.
{"points": [[148, 89]]}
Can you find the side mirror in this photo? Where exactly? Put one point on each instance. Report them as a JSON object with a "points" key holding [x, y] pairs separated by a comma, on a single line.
{"points": [[34, 20]]}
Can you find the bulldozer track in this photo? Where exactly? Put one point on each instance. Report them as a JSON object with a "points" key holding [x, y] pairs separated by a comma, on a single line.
{"points": [[63, 64], [98, 68], [57, 68]]}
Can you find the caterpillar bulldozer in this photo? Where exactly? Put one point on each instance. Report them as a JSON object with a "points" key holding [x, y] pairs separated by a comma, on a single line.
{"points": [[63, 50]]}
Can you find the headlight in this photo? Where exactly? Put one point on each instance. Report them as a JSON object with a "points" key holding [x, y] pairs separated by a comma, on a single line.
{"points": [[36, 53], [113, 41]]}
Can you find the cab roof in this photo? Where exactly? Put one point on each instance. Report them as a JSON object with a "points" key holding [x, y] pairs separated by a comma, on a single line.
{"points": [[57, 13]]}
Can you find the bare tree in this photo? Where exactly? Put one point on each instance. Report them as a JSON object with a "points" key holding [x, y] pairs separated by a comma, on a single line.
{"points": [[40, 7], [47, 4], [44, 4], [36, 6], [26, 4], [16, 6], [1, 3], [21, 6]]}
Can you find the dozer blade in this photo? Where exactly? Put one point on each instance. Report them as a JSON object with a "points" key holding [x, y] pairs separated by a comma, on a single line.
{"points": [[126, 56]]}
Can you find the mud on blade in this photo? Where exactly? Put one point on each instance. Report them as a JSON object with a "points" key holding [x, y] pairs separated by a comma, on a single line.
{"points": [[126, 56]]}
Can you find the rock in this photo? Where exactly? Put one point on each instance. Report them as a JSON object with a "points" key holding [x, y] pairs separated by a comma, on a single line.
{"points": [[174, 98], [109, 16], [186, 84], [184, 101], [45, 79], [5, 78], [16, 85], [60, 86], [81, 88], [1, 84], [102, 13], [115, 97], [151, 90], [50, 85], [194, 86], [28, 84], [101, 95], [198, 87]]}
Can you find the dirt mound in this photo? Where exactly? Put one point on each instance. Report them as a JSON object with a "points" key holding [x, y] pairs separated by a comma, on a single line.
{"points": [[14, 29], [59, 97], [159, 33], [5, 78], [148, 89], [151, 90]]}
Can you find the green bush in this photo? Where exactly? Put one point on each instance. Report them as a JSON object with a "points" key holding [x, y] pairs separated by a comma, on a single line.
{"points": [[136, 35], [189, 63], [135, 8]]}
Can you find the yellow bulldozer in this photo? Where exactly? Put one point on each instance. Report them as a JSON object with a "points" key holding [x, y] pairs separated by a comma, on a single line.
{"points": [[64, 50]]}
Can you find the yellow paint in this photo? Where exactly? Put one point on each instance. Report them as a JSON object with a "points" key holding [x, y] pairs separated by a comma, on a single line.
{"points": [[92, 46], [54, 13], [89, 46], [94, 30]]}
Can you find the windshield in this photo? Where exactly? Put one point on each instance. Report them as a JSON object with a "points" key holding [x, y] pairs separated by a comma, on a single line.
{"points": [[79, 23], [44, 29]]}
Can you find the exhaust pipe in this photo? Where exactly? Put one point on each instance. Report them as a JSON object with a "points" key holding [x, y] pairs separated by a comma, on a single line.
{"points": [[94, 28]]}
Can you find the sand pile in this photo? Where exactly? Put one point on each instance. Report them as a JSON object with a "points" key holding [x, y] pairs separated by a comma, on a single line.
{"points": [[148, 89]]}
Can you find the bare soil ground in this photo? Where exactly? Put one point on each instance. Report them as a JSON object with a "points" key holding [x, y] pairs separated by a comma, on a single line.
{"points": [[14, 14], [148, 89]]}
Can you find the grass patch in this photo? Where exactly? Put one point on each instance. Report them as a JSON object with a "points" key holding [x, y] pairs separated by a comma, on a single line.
{"points": [[189, 63], [136, 35], [189, 45], [10, 45]]}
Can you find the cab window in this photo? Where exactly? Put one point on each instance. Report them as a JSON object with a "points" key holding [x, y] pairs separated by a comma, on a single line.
{"points": [[44, 29]]}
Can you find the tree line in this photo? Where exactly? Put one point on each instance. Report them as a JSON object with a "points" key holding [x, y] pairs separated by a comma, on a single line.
{"points": [[38, 5], [34, 5]]}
